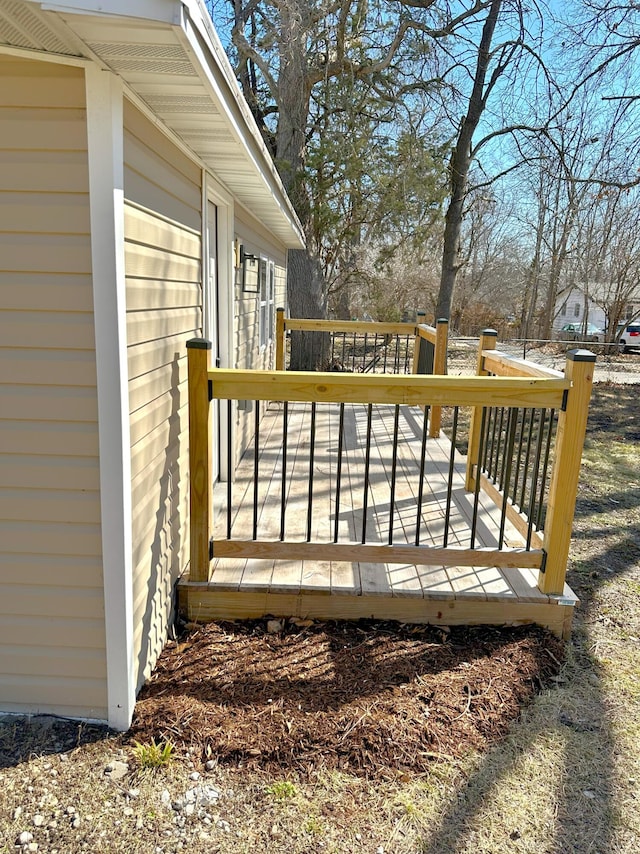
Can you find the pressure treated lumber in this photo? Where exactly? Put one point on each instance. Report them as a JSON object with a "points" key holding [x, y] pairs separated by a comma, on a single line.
{"points": [[200, 457], [329, 387], [572, 427]]}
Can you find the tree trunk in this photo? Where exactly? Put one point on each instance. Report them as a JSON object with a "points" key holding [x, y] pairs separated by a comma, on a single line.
{"points": [[305, 285], [460, 163]]}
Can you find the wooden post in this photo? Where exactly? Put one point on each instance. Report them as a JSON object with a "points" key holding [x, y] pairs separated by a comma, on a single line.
{"points": [[439, 368], [420, 315], [488, 338], [279, 339], [200, 458], [572, 426]]}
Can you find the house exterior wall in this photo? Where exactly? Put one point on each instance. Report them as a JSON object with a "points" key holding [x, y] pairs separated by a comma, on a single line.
{"points": [[164, 310], [52, 636], [250, 352]]}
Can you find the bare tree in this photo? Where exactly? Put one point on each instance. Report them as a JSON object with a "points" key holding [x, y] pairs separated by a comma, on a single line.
{"points": [[491, 66], [284, 49]]}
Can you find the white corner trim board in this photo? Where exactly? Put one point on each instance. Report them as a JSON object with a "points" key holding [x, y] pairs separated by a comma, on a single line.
{"points": [[106, 187]]}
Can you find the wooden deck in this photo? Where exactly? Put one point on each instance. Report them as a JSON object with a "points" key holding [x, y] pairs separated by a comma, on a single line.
{"points": [[445, 595]]}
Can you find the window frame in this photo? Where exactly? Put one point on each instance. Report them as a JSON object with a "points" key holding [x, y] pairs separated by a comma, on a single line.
{"points": [[266, 302]]}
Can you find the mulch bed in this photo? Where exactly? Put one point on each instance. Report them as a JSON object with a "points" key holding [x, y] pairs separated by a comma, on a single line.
{"points": [[368, 697]]}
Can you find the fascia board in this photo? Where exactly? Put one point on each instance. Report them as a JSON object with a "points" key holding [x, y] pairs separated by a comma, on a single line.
{"points": [[162, 11], [215, 71]]}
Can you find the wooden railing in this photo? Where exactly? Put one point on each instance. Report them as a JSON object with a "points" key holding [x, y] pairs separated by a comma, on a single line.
{"points": [[358, 346], [506, 397], [528, 459]]}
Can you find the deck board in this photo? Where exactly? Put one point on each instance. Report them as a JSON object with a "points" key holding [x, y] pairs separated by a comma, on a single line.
{"points": [[267, 581]]}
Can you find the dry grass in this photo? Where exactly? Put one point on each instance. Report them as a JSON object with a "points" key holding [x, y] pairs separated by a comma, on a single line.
{"points": [[564, 778]]}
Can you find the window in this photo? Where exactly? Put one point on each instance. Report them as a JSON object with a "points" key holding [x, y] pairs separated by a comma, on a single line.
{"points": [[576, 310], [272, 297], [267, 301], [563, 310]]}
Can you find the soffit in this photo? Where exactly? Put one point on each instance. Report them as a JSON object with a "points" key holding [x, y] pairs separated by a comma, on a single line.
{"points": [[175, 67]]}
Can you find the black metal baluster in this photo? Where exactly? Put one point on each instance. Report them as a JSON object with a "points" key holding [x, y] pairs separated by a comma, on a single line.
{"points": [[511, 440], [386, 350], [476, 491], [339, 473], [283, 496], [312, 448], [452, 459], [493, 443], [367, 461], [499, 454], [407, 356], [534, 476], [394, 468], [423, 451], [256, 437], [363, 364], [353, 352], [521, 417], [527, 457], [547, 455], [344, 349]]}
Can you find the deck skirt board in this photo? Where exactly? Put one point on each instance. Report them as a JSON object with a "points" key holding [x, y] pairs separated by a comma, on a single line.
{"points": [[281, 573]]}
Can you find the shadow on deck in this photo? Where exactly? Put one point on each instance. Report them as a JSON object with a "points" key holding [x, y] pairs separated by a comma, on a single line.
{"points": [[295, 494]]}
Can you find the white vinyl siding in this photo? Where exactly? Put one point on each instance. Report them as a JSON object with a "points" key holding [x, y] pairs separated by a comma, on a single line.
{"points": [[164, 310], [52, 642]]}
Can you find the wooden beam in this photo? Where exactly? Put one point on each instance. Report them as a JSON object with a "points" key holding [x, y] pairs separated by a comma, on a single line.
{"points": [[358, 552], [332, 387], [200, 458], [205, 603], [439, 369], [416, 343], [280, 322], [352, 326], [572, 426], [427, 332], [508, 366], [487, 342]]}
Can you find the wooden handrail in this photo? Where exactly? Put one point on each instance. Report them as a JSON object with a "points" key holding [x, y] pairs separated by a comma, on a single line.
{"points": [[356, 326], [495, 362], [415, 390]]}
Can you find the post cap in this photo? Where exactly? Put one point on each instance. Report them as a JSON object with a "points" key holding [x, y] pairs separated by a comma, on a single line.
{"points": [[442, 320], [581, 356], [199, 344], [280, 309], [490, 333]]}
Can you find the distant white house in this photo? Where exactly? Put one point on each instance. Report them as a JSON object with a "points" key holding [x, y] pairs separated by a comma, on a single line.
{"points": [[576, 307], [579, 306]]}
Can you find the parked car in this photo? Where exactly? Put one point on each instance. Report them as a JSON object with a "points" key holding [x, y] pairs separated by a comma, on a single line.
{"points": [[577, 332], [629, 337]]}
